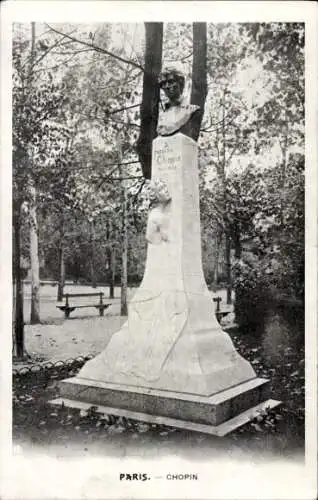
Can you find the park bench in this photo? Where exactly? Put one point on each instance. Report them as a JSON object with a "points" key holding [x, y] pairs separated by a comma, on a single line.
{"points": [[218, 312], [67, 308]]}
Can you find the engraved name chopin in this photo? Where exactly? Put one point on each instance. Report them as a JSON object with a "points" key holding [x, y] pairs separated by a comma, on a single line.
{"points": [[166, 157]]}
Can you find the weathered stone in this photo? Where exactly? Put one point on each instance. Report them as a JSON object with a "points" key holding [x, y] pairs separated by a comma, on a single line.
{"points": [[214, 430], [210, 410]]}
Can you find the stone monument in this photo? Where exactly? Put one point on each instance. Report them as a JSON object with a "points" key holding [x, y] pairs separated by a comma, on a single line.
{"points": [[171, 362]]}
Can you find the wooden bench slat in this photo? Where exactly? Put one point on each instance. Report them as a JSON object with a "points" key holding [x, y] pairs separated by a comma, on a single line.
{"points": [[97, 294], [67, 308], [89, 305]]}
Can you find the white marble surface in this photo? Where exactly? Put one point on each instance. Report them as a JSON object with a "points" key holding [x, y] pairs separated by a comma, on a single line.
{"points": [[172, 340], [175, 117]]}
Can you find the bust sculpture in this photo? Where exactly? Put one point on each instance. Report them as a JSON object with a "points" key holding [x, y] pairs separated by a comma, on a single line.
{"points": [[177, 112]]}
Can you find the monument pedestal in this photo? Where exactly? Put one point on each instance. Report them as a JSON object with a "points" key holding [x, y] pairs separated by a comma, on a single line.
{"points": [[217, 415], [171, 360]]}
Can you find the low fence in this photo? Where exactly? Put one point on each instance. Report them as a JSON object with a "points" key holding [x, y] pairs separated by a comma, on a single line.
{"points": [[47, 367], [48, 282]]}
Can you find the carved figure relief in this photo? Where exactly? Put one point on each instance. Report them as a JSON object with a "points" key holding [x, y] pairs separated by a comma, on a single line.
{"points": [[158, 218]]}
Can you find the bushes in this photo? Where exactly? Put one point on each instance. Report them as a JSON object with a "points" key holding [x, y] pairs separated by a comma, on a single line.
{"points": [[252, 295], [265, 284]]}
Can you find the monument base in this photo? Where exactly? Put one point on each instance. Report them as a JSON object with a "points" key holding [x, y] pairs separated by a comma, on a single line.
{"points": [[218, 414]]}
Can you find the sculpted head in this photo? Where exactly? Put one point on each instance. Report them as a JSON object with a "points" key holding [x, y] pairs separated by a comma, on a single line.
{"points": [[172, 82], [177, 112], [157, 193]]}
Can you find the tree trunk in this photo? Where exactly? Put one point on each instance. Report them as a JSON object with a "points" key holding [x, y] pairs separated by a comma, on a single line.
{"points": [[199, 88], [34, 259], [237, 244], [216, 263], [226, 221], [284, 146], [150, 95], [112, 271], [19, 319], [61, 281], [228, 269], [124, 281], [124, 240], [34, 244], [110, 258], [93, 250]]}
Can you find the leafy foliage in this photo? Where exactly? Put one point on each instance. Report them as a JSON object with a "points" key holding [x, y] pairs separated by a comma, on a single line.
{"points": [[252, 163], [39, 132], [275, 263]]}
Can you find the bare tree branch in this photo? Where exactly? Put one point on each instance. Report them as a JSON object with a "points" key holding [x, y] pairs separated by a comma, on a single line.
{"points": [[103, 120], [182, 59], [133, 50], [56, 44], [47, 51], [233, 151], [139, 190], [98, 49], [109, 176], [217, 145], [62, 63], [116, 163], [127, 124], [207, 129], [124, 109], [65, 53], [101, 87], [126, 178]]}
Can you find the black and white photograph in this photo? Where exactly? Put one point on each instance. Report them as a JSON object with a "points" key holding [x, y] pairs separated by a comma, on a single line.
{"points": [[158, 270]]}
